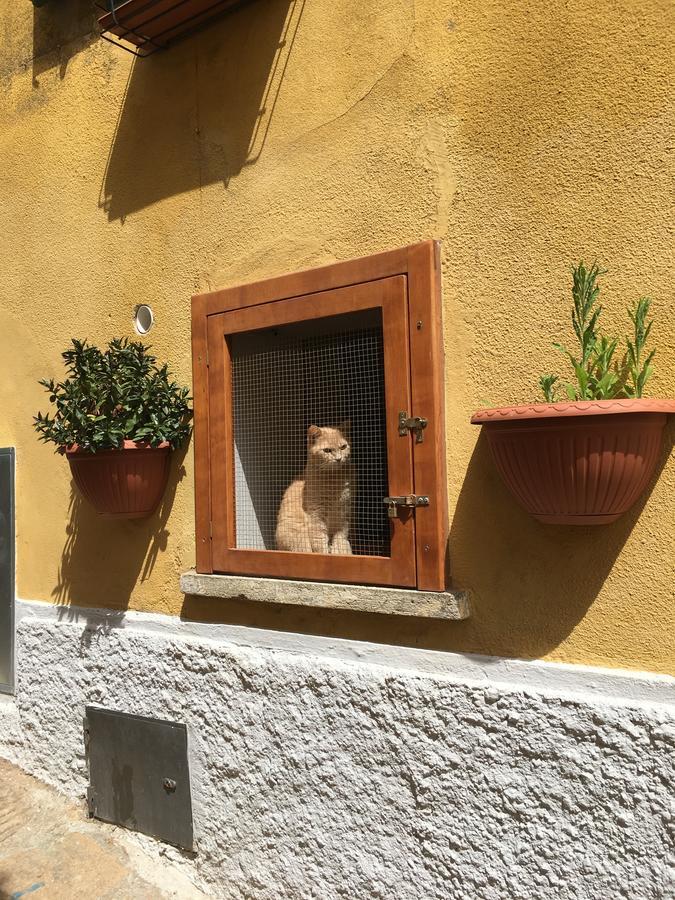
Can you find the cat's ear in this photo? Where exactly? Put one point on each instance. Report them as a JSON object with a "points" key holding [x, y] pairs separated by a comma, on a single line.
{"points": [[312, 434], [346, 428]]}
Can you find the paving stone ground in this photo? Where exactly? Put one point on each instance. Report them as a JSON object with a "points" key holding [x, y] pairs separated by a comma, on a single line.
{"points": [[51, 850]]}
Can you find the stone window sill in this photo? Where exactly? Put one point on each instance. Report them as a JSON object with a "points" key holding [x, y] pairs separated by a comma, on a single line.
{"points": [[361, 598]]}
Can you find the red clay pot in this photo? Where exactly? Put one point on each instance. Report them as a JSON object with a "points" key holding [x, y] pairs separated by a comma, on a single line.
{"points": [[584, 462], [125, 484]]}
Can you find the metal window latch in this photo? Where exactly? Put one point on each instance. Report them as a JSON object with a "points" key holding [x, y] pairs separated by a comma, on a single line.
{"points": [[409, 501], [412, 423]]}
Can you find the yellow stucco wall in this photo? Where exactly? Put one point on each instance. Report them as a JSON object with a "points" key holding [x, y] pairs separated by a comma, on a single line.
{"points": [[523, 135]]}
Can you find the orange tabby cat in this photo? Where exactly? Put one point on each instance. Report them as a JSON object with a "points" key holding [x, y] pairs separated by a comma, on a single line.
{"points": [[315, 510]]}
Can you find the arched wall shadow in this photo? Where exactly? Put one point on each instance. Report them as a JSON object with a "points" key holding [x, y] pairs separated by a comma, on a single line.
{"points": [[531, 583], [103, 559], [60, 30], [199, 112]]}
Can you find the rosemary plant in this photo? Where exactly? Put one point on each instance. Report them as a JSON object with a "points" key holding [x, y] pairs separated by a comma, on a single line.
{"points": [[601, 374]]}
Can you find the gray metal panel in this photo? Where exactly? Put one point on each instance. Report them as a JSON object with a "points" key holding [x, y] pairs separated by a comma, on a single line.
{"points": [[7, 591], [139, 775]]}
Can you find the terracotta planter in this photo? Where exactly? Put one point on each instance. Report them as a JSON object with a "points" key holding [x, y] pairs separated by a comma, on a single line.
{"points": [[127, 483], [577, 463]]}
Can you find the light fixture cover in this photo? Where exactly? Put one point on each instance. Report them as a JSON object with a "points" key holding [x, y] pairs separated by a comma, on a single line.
{"points": [[143, 318]]}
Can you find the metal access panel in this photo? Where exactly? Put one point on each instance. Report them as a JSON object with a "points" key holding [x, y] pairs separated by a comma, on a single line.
{"points": [[7, 570], [139, 775]]}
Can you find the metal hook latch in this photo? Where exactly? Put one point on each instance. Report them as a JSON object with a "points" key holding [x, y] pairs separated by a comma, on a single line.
{"points": [[408, 501], [412, 423]]}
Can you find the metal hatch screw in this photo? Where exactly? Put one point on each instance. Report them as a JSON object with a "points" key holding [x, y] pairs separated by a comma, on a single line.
{"points": [[419, 324], [169, 785]]}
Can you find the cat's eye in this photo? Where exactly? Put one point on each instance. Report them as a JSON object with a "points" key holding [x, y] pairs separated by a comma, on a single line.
{"points": [[326, 449], [343, 446]]}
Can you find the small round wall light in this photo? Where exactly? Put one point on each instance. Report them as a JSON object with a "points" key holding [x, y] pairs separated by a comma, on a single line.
{"points": [[143, 318]]}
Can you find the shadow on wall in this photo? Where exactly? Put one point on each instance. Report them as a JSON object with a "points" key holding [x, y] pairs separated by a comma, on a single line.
{"points": [[60, 30], [532, 583], [199, 112], [103, 559]]}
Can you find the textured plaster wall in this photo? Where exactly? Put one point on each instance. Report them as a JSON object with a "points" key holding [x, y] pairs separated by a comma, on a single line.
{"points": [[316, 777], [292, 134]]}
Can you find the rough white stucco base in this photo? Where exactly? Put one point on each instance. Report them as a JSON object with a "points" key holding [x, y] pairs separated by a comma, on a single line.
{"points": [[320, 775]]}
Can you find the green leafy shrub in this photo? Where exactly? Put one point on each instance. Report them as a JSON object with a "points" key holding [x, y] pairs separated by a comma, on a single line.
{"points": [[112, 395], [600, 373]]}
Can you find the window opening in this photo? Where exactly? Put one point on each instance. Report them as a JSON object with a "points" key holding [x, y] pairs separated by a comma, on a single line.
{"points": [[345, 360], [310, 437]]}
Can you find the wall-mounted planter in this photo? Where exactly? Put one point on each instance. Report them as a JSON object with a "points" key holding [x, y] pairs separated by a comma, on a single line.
{"points": [[123, 484], [577, 463]]}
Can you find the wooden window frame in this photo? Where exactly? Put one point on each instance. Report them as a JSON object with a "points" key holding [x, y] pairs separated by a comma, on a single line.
{"points": [[419, 267]]}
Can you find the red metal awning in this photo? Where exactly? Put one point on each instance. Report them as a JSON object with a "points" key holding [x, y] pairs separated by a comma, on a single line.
{"points": [[144, 26]]}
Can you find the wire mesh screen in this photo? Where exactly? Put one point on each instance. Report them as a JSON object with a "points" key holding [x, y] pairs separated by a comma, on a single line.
{"points": [[310, 437]]}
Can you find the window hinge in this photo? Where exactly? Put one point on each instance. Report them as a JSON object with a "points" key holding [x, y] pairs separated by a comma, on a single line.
{"points": [[409, 501], [207, 359], [412, 423]]}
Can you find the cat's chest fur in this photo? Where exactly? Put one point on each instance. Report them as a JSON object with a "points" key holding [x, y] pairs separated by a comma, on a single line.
{"points": [[329, 496]]}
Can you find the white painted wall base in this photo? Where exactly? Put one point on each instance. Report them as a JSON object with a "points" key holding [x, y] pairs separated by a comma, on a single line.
{"points": [[332, 769]]}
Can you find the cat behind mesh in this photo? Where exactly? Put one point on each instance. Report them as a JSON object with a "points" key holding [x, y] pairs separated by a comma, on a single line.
{"points": [[315, 510]]}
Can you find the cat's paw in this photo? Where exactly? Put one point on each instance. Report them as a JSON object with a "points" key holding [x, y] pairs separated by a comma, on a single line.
{"points": [[340, 546]]}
